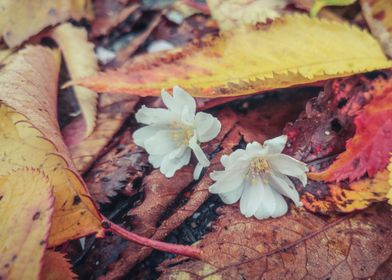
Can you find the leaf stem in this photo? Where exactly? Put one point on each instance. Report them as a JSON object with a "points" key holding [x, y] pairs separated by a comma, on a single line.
{"points": [[188, 251]]}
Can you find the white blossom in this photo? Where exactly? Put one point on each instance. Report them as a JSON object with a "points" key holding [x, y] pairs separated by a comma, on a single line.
{"points": [[172, 134], [258, 177]]}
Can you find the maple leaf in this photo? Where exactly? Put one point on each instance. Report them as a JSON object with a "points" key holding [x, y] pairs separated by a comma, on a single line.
{"points": [[56, 267], [291, 51], [378, 15], [368, 151], [236, 13], [17, 24], [81, 61], [299, 245], [30, 137], [26, 207]]}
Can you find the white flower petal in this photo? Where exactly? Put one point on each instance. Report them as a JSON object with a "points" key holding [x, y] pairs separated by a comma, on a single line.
{"points": [[289, 166], [233, 196], [144, 133], [201, 157], [171, 164], [233, 159], [167, 99], [285, 187], [155, 160], [161, 143], [255, 149], [228, 181], [148, 116], [276, 145], [280, 207], [251, 199], [187, 117], [183, 99], [207, 126], [198, 169]]}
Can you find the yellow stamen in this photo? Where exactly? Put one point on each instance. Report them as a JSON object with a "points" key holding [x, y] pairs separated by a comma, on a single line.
{"points": [[259, 167]]}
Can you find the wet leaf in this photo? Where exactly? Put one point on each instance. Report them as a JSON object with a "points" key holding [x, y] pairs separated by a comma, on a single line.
{"points": [[112, 112], [299, 245], [56, 267], [17, 24], [246, 62], [378, 15], [236, 13], [26, 207], [81, 62], [368, 150], [30, 137]]}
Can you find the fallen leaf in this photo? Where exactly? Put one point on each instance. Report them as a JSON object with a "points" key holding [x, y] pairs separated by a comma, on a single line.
{"points": [[368, 151], [236, 13], [389, 195], [30, 137], [55, 266], [112, 112], [110, 13], [299, 245], [17, 23], [248, 62], [319, 4], [26, 207], [81, 62], [378, 15], [119, 169]]}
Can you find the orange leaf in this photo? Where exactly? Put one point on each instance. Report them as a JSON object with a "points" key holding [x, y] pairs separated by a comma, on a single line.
{"points": [[26, 207], [368, 151], [293, 50], [30, 137], [56, 267]]}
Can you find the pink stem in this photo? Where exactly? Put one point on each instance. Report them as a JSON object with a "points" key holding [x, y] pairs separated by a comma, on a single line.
{"points": [[188, 251]]}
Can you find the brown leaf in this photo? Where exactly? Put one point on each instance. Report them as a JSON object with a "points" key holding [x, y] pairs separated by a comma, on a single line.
{"points": [[56, 267], [110, 13], [112, 112], [299, 245]]}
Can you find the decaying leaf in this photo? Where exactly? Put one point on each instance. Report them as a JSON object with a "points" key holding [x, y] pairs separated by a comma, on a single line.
{"points": [[26, 207], [236, 13], [294, 50], [299, 245], [368, 151], [30, 137], [378, 15], [81, 62], [389, 195], [55, 266], [112, 112], [17, 23]]}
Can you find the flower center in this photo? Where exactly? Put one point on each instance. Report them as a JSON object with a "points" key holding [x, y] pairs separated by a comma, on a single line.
{"points": [[181, 133], [259, 167]]}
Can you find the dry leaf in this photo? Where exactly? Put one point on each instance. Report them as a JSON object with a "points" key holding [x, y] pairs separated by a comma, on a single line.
{"points": [[26, 207], [81, 62], [368, 150], [294, 50], [112, 112], [389, 195], [236, 13], [378, 15], [55, 266], [299, 245], [30, 137], [17, 23]]}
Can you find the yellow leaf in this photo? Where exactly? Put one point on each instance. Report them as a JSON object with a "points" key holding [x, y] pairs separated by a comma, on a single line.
{"points": [[30, 137], [378, 15], [56, 267], [26, 206], [294, 50], [81, 61], [389, 195], [235, 13], [20, 19]]}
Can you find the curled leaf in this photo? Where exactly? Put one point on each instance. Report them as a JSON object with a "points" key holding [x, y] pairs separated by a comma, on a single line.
{"points": [[30, 137], [294, 50], [81, 62], [26, 207]]}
